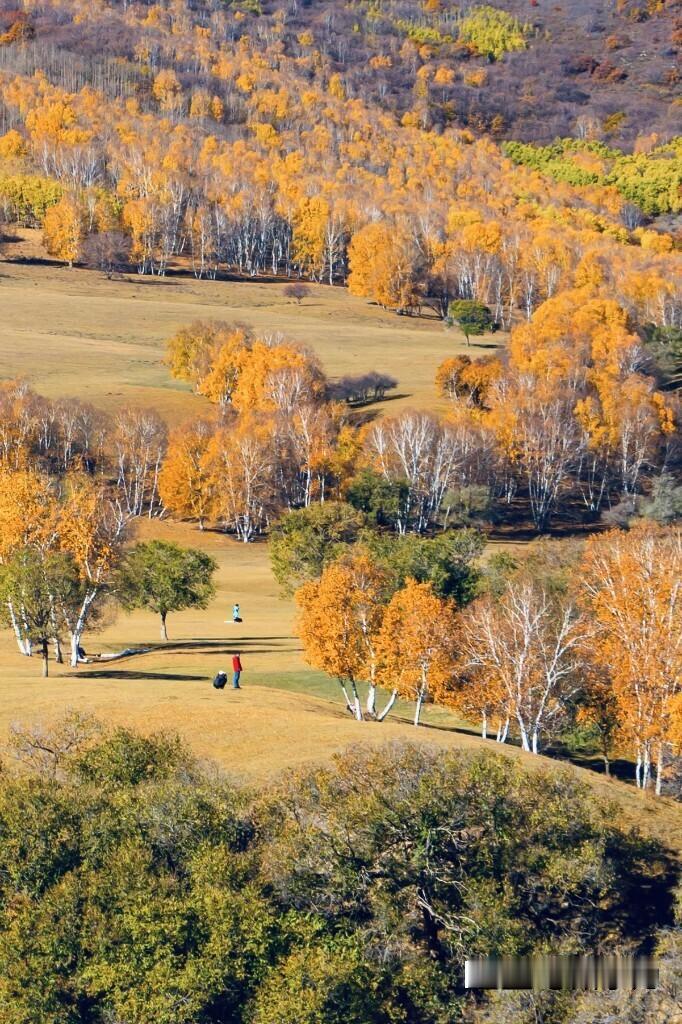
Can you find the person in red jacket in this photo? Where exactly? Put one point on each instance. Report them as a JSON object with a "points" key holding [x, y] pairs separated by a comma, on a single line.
{"points": [[237, 670]]}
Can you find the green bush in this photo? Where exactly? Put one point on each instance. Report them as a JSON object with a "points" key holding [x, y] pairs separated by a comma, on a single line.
{"points": [[160, 894], [653, 181]]}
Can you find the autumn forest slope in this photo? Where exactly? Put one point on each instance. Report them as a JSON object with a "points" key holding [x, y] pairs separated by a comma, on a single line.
{"points": [[533, 71]]}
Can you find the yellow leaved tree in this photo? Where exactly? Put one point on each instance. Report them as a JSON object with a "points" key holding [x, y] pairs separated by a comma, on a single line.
{"points": [[339, 624], [416, 646], [64, 229], [630, 584]]}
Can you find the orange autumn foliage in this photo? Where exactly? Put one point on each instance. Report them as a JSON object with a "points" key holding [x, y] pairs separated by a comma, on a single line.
{"points": [[184, 482], [340, 616], [416, 644]]}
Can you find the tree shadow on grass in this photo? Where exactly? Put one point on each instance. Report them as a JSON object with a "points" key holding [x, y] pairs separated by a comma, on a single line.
{"points": [[35, 261], [213, 645], [426, 726], [619, 767], [123, 674], [144, 279], [215, 650], [239, 639]]}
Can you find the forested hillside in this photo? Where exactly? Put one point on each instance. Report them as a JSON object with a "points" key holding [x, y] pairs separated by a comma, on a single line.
{"points": [[342, 143], [237, 140], [525, 69]]}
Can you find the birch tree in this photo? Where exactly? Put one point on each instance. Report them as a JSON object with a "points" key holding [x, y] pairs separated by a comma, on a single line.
{"points": [[526, 646], [27, 521], [40, 585], [535, 428], [241, 462], [340, 624], [427, 454], [91, 530], [185, 485], [329, 634], [416, 644], [139, 441], [631, 585]]}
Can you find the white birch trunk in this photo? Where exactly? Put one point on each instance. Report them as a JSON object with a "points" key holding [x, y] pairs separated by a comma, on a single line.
{"points": [[646, 766], [79, 627], [389, 704], [524, 734], [349, 706], [357, 707], [418, 708], [23, 643], [659, 770]]}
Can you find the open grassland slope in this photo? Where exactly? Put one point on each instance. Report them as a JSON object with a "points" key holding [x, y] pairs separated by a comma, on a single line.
{"points": [[72, 332]]}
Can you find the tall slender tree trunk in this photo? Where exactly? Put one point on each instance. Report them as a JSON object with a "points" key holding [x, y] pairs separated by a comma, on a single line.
{"points": [[23, 643], [79, 627], [524, 734], [659, 769], [389, 704], [484, 726], [646, 766], [357, 707], [420, 701], [346, 697], [164, 631], [44, 652]]}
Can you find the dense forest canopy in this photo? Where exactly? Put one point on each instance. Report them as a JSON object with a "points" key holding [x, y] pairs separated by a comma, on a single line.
{"points": [[244, 136]]}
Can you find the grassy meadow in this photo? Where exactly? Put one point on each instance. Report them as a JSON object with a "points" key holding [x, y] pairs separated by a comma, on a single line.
{"points": [[73, 332]]}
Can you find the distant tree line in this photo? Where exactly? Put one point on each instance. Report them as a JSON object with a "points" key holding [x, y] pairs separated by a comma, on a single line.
{"points": [[570, 421]]}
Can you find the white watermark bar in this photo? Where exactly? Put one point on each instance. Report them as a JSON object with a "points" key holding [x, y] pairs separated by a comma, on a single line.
{"points": [[556, 972]]}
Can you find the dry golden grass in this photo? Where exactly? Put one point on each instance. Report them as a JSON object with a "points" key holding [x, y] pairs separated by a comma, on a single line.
{"points": [[256, 732], [72, 332]]}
